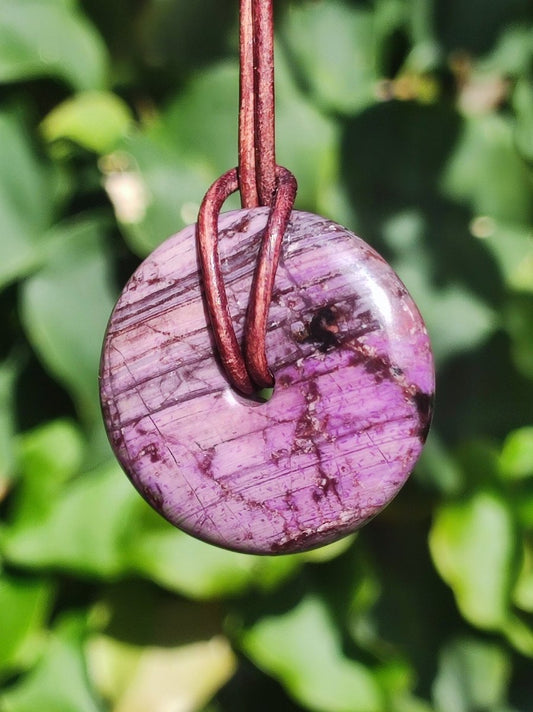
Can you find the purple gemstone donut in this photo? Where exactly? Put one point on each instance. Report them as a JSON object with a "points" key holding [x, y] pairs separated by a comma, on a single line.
{"points": [[350, 410]]}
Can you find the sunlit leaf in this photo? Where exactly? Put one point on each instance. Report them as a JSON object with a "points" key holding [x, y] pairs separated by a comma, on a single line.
{"points": [[473, 675], [59, 682], [396, 677], [517, 454], [95, 120], [487, 173], [512, 52], [184, 564], [519, 635], [8, 373], [138, 678], [50, 39], [302, 649], [201, 121], [523, 591], [330, 551], [65, 308], [84, 528], [523, 106], [202, 124], [513, 249], [333, 48], [47, 457], [473, 546], [26, 207], [187, 565], [24, 603]]}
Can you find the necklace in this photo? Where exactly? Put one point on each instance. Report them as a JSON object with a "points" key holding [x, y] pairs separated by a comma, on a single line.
{"points": [[265, 297]]}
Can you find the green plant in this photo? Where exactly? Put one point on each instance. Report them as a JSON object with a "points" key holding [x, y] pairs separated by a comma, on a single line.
{"points": [[409, 122]]}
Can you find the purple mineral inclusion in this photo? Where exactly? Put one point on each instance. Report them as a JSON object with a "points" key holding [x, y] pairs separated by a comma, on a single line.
{"points": [[350, 410]]}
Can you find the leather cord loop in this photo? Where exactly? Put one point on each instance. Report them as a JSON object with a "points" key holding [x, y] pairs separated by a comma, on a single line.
{"points": [[261, 183]]}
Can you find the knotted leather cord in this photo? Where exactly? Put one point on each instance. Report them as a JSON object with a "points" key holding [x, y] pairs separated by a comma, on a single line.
{"points": [[260, 182]]}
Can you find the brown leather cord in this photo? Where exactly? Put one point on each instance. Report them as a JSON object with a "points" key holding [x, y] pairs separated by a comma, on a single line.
{"points": [[263, 282], [260, 182], [247, 167], [215, 292], [265, 156], [257, 158]]}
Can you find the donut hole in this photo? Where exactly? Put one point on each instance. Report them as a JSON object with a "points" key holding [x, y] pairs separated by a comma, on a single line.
{"points": [[265, 394], [255, 400]]}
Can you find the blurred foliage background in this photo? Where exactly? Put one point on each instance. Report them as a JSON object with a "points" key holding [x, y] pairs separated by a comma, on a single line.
{"points": [[409, 121]]}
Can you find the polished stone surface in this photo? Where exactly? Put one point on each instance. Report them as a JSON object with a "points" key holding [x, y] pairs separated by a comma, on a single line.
{"points": [[350, 410]]}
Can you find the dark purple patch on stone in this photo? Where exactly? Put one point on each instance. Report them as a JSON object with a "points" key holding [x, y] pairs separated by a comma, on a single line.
{"points": [[323, 328], [424, 406]]}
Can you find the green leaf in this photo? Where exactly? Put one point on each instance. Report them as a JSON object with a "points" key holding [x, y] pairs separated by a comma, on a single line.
{"points": [[47, 457], [438, 468], [479, 464], [59, 683], [154, 189], [457, 320], [473, 546], [184, 564], [396, 677], [523, 591], [512, 247], [112, 531], [523, 106], [487, 173], [332, 46], [520, 635], [473, 675], [84, 528], [26, 206], [24, 604], [524, 509], [301, 648], [65, 308], [202, 120], [185, 36], [8, 374], [330, 551], [408, 703], [391, 162], [516, 458], [141, 678], [512, 53], [446, 198], [306, 141], [40, 39], [458, 23], [519, 325], [95, 120], [158, 179]]}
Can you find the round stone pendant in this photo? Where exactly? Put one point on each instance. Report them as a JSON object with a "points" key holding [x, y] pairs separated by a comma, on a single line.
{"points": [[350, 409]]}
